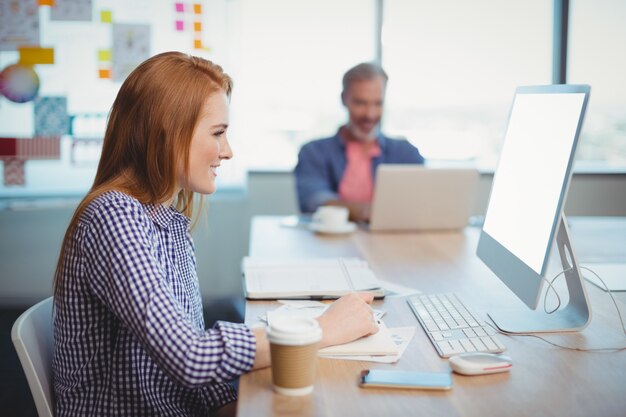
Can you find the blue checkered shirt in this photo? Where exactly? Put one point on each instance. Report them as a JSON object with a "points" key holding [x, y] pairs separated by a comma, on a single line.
{"points": [[128, 326]]}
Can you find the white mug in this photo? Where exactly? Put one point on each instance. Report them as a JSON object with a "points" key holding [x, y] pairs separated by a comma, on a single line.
{"points": [[332, 217]]}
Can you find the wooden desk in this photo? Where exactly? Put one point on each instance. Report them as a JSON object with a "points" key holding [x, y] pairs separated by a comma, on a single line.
{"points": [[544, 381]]}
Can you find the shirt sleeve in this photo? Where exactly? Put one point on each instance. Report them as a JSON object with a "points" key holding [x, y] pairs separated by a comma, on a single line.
{"points": [[123, 271], [406, 153], [313, 182]]}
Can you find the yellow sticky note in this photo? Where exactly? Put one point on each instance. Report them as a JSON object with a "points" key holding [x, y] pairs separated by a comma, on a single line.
{"points": [[104, 73], [197, 43], [32, 55], [104, 55], [197, 26], [197, 8], [106, 16], [47, 2]]}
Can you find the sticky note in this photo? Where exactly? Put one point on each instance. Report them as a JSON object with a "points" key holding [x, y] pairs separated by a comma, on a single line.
{"points": [[47, 2], [104, 55], [180, 7], [106, 16], [197, 43], [197, 8], [104, 74], [197, 26], [180, 25], [35, 55]]}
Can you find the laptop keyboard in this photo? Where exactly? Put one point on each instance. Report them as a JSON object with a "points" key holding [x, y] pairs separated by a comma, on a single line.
{"points": [[451, 327]]}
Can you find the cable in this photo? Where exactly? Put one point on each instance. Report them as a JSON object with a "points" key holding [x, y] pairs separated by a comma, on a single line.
{"points": [[619, 313], [606, 349], [551, 287]]}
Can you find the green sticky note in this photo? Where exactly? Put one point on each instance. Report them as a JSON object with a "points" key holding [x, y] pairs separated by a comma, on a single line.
{"points": [[106, 16], [104, 55]]}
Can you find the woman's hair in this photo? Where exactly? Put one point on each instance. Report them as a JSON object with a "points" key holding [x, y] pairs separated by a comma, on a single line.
{"points": [[149, 131]]}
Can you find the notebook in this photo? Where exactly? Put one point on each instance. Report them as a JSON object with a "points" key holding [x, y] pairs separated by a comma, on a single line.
{"points": [[414, 197], [315, 278]]}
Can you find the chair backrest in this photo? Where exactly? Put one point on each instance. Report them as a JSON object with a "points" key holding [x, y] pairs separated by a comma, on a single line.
{"points": [[32, 336]]}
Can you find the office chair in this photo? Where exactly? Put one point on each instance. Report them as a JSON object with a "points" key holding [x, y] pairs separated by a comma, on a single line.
{"points": [[33, 340]]}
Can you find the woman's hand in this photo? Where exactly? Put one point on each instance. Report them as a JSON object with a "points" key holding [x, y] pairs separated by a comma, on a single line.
{"points": [[348, 319]]}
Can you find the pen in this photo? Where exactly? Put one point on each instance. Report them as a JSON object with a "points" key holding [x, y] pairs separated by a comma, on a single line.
{"points": [[320, 298], [346, 274]]}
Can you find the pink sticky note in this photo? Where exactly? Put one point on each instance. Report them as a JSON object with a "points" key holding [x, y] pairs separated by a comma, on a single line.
{"points": [[180, 25], [180, 7]]}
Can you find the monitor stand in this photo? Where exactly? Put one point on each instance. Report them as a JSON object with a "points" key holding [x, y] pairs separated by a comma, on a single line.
{"points": [[573, 317]]}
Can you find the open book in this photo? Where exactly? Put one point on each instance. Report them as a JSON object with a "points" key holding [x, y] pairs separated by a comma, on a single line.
{"points": [[307, 278]]}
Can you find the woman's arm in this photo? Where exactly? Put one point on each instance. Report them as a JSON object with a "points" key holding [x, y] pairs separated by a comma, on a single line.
{"points": [[262, 358], [123, 270]]}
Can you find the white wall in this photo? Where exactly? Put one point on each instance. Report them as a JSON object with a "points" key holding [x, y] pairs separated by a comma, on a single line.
{"points": [[30, 237]]}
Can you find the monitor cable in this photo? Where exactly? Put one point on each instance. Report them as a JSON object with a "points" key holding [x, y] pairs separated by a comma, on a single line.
{"points": [[556, 293]]}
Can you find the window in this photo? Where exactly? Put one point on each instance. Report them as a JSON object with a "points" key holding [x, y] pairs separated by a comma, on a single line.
{"points": [[291, 58], [453, 68], [597, 38], [286, 57]]}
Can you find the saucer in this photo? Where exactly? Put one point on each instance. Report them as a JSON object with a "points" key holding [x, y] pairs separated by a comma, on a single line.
{"points": [[348, 227]]}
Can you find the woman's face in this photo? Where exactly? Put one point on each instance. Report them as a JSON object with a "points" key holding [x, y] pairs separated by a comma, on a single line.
{"points": [[209, 146]]}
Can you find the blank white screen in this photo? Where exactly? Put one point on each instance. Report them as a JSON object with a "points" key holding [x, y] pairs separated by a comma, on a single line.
{"points": [[531, 172]]}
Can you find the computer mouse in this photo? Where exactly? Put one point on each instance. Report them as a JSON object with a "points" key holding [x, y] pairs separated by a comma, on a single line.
{"points": [[477, 363]]}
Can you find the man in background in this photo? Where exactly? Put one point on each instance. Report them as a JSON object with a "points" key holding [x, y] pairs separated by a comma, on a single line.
{"points": [[340, 170]]}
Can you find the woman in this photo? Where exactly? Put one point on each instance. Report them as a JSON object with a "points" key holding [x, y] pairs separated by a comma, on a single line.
{"points": [[129, 331]]}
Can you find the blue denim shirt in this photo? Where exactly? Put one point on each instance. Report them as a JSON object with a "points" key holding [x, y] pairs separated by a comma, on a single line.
{"points": [[322, 162]]}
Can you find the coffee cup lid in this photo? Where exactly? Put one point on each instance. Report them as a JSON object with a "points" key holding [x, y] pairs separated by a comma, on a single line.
{"points": [[293, 330]]}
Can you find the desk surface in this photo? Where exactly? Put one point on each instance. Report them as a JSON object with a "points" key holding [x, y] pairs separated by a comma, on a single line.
{"points": [[545, 380]]}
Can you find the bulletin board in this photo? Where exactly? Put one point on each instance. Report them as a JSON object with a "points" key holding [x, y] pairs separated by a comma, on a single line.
{"points": [[61, 65]]}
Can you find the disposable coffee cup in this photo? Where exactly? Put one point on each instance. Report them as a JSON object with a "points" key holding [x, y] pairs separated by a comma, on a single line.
{"points": [[294, 342], [332, 217]]}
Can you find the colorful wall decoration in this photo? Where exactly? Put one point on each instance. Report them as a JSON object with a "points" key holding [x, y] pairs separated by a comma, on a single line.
{"points": [[120, 45]]}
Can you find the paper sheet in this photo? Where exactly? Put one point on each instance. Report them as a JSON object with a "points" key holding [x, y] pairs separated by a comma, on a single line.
{"points": [[131, 46], [19, 24], [306, 308], [71, 10], [51, 118], [397, 290]]}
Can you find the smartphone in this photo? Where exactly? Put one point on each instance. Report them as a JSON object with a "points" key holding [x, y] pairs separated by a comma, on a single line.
{"points": [[405, 379]]}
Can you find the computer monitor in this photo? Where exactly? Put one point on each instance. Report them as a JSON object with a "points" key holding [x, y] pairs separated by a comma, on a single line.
{"points": [[525, 212]]}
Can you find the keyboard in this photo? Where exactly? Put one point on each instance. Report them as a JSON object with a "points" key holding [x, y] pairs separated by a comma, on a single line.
{"points": [[451, 327]]}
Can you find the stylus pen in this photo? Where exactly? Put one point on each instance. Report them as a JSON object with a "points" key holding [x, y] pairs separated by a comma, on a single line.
{"points": [[346, 274]]}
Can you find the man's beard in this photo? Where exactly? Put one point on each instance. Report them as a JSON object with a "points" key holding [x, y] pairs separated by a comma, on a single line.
{"points": [[361, 135]]}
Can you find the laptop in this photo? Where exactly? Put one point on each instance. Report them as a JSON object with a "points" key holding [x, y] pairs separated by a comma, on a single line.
{"points": [[414, 198]]}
